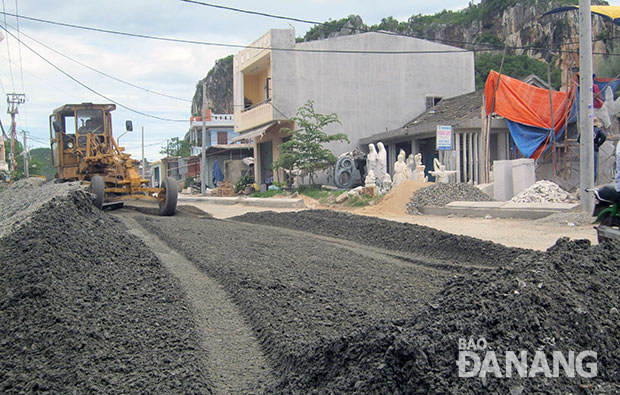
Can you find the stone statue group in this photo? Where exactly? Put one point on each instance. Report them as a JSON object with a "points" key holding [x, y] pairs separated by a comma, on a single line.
{"points": [[378, 180]]}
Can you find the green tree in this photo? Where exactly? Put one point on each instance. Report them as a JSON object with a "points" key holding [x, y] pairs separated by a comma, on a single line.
{"points": [[176, 147], [516, 66], [39, 162], [304, 150]]}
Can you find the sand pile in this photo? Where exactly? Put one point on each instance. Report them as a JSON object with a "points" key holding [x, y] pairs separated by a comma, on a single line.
{"points": [[394, 203]]}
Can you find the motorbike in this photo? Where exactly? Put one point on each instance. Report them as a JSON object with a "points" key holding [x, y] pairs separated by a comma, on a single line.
{"points": [[196, 187], [607, 212]]}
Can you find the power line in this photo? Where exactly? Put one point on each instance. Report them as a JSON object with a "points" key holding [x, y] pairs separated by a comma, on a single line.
{"points": [[89, 88], [19, 47], [361, 29], [207, 43], [195, 42], [8, 50], [253, 12], [101, 72]]}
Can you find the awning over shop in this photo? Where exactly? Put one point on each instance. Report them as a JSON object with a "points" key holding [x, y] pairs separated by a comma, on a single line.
{"points": [[253, 133]]}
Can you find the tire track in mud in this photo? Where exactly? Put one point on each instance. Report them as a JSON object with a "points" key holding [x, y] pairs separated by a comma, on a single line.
{"points": [[236, 362]]}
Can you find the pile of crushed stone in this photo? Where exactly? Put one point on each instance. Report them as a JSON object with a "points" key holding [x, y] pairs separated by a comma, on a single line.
{"points": [[543, 192], [86, 307], [569, 218], [26, 196], [440, 194], [563, 300]]}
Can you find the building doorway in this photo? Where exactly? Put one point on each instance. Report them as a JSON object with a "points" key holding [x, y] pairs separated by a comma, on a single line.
{"points": [[266, 162], [429, 153]]}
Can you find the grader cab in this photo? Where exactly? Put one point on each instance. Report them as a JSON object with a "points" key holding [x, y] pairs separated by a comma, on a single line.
{"points": [[83, 149]]}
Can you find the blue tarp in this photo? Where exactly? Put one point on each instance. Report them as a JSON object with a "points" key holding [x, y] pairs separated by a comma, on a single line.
{"points": [[529, 138]]}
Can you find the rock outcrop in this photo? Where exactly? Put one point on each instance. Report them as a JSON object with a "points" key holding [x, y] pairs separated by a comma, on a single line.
{"points": [[219, 88]]}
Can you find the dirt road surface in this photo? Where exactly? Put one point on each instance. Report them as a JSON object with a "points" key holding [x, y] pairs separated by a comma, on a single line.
{"points": [[520, 233], [313, 301]]}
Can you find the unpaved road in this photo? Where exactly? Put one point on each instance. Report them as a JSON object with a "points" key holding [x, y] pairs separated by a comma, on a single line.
{"points": [[307, 302], [520, 233], [235, 357]]}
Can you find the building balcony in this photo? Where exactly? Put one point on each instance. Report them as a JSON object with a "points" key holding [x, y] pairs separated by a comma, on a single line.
{"points": [[255, 116]]}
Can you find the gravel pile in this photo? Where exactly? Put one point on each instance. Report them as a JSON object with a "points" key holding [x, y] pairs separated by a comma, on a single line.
{"points": [[560, 300], [395, 236], [543, 192], [439, 194], [15, 209], [570, 218], [84, 306]]}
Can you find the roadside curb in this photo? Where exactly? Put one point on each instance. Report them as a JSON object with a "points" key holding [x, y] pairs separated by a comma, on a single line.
{"points": [[246, 201], [501, 209]]}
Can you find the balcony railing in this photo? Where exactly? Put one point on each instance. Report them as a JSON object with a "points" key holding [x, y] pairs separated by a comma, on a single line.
{"points": [[254, 116]]}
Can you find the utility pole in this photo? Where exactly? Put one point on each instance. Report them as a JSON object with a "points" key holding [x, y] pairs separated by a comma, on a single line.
{"points": [[203, 158], [143, 160], [13, 100], [586, 122], [26, 153]]}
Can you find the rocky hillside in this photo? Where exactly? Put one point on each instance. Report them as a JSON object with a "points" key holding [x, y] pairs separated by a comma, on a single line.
{"points": [[219, 88], [486, 27]]}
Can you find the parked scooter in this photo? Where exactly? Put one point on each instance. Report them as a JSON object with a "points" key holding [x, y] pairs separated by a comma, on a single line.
{"points": [[607, 213], [196, 187]]}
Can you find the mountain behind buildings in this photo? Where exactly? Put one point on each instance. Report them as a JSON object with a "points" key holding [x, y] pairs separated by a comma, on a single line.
{"points": [[489, 28]]}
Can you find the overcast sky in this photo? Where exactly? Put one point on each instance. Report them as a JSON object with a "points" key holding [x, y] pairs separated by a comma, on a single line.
{"points": [[164, 67]]}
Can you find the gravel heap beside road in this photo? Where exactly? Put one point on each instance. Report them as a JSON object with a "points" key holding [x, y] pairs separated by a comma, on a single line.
{"points": [[439, 194], [15, 209], [85, 307], [564, 299], [380, 233], [543, 192]]}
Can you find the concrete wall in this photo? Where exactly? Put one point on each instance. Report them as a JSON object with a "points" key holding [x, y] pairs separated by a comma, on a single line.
{"points": [[369, 92]]}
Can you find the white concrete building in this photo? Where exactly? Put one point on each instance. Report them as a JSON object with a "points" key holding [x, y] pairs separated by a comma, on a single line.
{"points": [[372, 81]]}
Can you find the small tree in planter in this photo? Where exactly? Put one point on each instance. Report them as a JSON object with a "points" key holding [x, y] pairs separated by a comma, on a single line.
{"points": [[304, 150]]}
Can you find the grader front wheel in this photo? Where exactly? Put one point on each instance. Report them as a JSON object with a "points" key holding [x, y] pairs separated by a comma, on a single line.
{"points": [[170, 193]]}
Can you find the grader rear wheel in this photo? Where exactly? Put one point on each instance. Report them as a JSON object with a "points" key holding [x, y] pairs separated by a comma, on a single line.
{"points": [[170, 193], [97, 188]]}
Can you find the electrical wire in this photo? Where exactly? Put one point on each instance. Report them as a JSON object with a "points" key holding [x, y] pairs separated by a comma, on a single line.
{"points": [[488, 47], [89, 88], [8, 49], [21, 68], [365, 30], [19, 46], [101, 72], [207, 43], [252, 12]]}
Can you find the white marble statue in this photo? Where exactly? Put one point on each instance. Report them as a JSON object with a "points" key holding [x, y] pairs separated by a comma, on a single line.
{"points": [[610, 108], [401, 173], [440, 173], [369, 183], [381, 162], [411, 167], [371, 159], [419, 169], [386, 184]]}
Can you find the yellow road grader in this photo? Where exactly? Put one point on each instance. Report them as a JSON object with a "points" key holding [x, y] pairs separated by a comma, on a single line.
{"points": [[83, 149]]}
